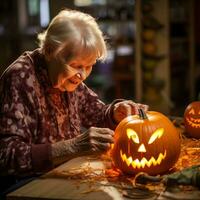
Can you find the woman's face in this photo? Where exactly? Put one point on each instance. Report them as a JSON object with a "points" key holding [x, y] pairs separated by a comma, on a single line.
{"points": [[67, 77]]}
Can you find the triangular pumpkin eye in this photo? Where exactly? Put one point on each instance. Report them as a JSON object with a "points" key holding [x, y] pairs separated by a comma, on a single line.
{"points": [[157, 134], [132, 135], [192, 111]]}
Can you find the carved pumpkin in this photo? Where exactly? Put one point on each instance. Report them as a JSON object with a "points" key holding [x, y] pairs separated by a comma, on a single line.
{"points": [[147, 142], [192, 119]]}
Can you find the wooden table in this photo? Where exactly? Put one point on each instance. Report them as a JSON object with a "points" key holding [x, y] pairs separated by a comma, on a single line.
{"points": [[56, 184], [86, 178]]}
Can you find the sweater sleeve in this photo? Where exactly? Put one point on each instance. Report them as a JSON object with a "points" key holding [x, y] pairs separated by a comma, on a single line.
{"points": [[93, 111], [18, 127]]}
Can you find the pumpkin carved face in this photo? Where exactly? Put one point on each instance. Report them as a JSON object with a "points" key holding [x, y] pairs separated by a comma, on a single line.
{"points": [[192, 119], [150, 145]]}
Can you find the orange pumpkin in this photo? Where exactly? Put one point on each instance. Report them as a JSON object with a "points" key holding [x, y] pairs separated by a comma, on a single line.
{"points": [[192, 119], [147, 142], [149, 48], [149, 34]]}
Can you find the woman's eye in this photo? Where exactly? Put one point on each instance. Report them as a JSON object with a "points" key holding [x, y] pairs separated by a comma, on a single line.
{"points": [[74, 66], [88, 67], [77, 66]]}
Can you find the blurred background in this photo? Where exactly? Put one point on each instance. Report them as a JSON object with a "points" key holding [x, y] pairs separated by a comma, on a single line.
{"points": [[154, 46]]}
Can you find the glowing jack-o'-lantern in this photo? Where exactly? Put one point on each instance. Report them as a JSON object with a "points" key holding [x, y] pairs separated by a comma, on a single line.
{"points": [[147, 142], [192, 119]]}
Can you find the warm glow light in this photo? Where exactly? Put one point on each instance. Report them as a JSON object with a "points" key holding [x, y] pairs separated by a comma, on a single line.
{"points": [[142, 148], [131, 134], [193, 122], [143, 162], [157, 134], [192, 112]]}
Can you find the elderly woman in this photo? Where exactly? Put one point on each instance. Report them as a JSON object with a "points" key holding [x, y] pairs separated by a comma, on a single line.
{"points": [[44, 102]]}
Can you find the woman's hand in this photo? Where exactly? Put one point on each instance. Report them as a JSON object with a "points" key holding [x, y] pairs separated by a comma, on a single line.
{"points": [[93, 141], [125, 108]]}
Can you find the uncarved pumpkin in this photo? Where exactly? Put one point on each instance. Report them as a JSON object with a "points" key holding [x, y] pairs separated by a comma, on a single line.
{"points": [[148, 34], [149, 48], [147, 142], [192, 119]]}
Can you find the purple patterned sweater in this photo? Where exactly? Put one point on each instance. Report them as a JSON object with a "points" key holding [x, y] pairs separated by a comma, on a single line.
{"points": [[33, 115]]}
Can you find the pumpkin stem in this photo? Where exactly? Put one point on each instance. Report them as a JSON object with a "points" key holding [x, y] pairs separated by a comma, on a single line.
{"points": [[142, 114]]}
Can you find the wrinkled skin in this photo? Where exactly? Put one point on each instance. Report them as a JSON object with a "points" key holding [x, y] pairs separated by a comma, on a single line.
{"points": [[67, 76], [126, 108], [93, 141]]}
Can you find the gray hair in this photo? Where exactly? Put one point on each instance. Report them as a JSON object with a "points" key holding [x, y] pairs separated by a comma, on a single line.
{"points": [[72, 33]]}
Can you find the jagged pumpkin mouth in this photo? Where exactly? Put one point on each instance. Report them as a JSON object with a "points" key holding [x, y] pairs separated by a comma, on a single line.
{"points": [[193, 122], [136, 163]]}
